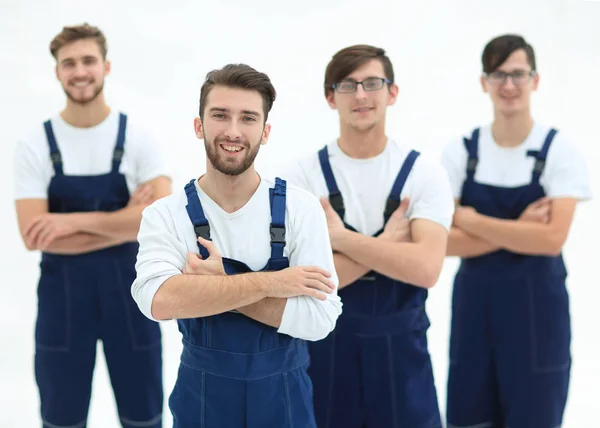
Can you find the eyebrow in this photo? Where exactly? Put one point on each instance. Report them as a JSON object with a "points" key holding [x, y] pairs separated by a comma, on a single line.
{"points": [[73, 59], [226, 110]]}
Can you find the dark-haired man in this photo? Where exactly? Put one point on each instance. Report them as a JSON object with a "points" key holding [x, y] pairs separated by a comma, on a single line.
{"points": [[389, 210], [82, 181], [244, 264], [517, 183]]}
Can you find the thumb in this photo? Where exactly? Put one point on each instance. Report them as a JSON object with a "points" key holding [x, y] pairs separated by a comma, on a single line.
{"points": [[326, 204], [403, 208], [210, 247]]}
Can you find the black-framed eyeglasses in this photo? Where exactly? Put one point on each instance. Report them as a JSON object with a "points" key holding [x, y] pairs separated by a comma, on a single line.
{"points": [[370, 84], [518, 77]]}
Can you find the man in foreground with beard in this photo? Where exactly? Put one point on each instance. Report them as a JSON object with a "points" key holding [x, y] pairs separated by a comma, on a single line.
{"points": [[81, 182], [245, 265]]}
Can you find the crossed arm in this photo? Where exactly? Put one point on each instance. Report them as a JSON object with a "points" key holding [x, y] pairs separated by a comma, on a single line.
{"points": [[78, 233], [408, 251], [542, 229]]}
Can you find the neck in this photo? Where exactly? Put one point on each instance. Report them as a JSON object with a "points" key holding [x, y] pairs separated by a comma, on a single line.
{"points": [[511, 131], [229, 192], [362, 144], [86, 115]]}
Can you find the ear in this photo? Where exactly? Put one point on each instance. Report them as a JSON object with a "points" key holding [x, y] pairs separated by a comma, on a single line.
{"points": [[265, 134], [393, 94], [535, 81], [56, 72], [107, 67], [331, 100], [198, 128], [484, 83]]}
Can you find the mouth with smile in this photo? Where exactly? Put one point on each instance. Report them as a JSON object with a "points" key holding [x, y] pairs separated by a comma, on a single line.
{"points": [[362, 110], [231, 149]]}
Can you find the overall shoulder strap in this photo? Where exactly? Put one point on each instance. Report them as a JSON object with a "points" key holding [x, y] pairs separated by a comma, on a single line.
{"points": [[120, 146], [277, 229], [55, 155], [335, 197], [393, 201], [196, 215]]}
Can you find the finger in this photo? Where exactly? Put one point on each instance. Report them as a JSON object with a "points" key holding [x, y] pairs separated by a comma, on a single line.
{"points": [[210, 247], [322, 279], [327, 206], [316, 269], [403, 208], [47, 239], [32, 225], [314, 293], [319, 285], [37, 232]]}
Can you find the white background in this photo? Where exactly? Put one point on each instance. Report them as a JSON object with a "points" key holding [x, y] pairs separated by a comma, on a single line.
{"points": [[160, 56]]}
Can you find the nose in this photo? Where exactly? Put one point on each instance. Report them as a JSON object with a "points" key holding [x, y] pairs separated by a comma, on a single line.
{"points": [[80, 69], [508, 83], [360, 92], [233, 131]]}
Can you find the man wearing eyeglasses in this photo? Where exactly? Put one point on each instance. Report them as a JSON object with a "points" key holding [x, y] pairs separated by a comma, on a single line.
{"points": [[389, 210], [517, 183]]}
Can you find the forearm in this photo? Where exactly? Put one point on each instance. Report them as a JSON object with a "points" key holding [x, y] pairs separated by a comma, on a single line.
{"points": [[81, 243], [522, 237], [408, 262], [122, 224], [464, 245], [268, 311], [348, 270], [192, 296]]}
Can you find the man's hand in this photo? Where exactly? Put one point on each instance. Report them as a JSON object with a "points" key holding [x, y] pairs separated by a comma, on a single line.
{"points": [[300, 281], [45, 228], [143, 195], [463, 215], [538, 211], [397, 228], [212, 265], [335, 225]]}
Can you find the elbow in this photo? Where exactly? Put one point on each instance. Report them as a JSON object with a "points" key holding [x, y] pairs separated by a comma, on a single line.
{"points": [[429, 275], [159, 309], [321, 326]]}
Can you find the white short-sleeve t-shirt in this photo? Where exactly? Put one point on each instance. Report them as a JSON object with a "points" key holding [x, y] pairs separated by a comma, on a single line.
{"points": [[85, 151], [565, 173], [365, 185], [167, 235]]}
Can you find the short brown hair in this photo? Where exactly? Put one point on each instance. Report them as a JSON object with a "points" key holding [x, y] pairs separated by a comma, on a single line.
{"points": [[500, 48], [351, 58], [239, 76], [78, 32]]}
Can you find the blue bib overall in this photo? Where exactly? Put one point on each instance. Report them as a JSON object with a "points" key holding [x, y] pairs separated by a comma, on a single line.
{"points": [[83, 298], [374, 369], [236, 372], [509, 347]]}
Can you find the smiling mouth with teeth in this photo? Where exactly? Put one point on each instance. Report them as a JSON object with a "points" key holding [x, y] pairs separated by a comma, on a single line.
{"points": [[231, 149]]}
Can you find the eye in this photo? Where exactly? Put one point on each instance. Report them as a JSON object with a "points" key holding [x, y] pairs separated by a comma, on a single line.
{"points": [[249, 119], [218, 116]]}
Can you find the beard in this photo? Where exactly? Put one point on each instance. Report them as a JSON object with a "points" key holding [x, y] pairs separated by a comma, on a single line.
{"points": [[84, 101], [227, 166]]}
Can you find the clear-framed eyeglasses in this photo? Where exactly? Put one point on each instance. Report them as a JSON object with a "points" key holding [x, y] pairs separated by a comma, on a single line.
{"points": [[370, 84], [518, 77]]}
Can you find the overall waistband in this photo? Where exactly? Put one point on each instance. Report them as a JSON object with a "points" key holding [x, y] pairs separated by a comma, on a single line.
{"points": [[245, 366], [398, 323]]}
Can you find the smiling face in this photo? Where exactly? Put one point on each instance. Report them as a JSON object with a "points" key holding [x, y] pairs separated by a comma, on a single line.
{"points": [[81, 69], [510, 85], [233, 128], [362, 110]]}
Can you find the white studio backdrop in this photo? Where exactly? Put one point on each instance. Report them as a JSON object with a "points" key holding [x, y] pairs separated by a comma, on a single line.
{"points": [[160, 56]]}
